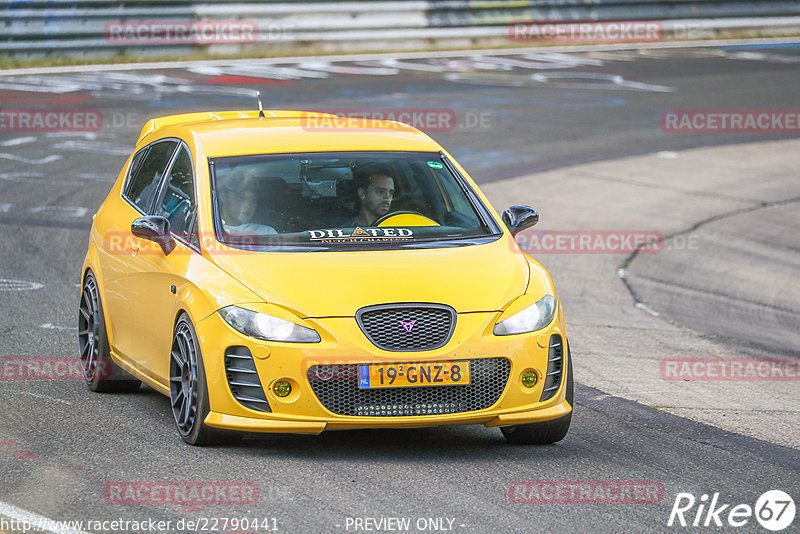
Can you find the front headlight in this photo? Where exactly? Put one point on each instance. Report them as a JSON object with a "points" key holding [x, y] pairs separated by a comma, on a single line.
{"points": [[534, 317], [263, 326]]}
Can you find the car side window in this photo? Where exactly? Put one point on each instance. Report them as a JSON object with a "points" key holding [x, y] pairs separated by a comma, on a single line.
{"points": [[146, 175], [177, 201], [136, 162]]}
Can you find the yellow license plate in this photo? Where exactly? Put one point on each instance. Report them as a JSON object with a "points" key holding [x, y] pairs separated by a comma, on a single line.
{"points": [[406, 375]]}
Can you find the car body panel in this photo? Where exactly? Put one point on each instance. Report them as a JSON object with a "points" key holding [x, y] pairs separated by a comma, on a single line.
{"points": [[343, 342], [352, 280]]}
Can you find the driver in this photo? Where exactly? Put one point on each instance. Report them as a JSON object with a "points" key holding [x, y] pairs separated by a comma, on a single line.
{"points": [[239, 201], [376, 199]]}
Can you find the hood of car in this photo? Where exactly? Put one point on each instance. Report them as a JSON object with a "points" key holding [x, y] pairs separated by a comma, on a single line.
{"points": [[472, 278]]}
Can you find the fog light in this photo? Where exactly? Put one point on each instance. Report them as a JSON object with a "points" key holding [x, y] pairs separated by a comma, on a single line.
{"points": [[529, 379], [282, 388]]}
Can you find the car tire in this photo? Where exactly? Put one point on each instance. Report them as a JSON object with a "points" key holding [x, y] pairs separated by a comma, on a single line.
{"points": [[101, 373], [189, 390], [547, 431]]}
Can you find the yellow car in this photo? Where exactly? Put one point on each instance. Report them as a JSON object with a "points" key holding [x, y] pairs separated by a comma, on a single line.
{"points": [[296, 272]]}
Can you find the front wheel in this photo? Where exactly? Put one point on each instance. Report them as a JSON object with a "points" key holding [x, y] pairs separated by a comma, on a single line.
{"points": [[546, 431], [188, 390], [100, 371]]}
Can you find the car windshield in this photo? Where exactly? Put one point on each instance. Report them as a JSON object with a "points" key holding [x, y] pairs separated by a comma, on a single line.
{"points": [[345, 200]]}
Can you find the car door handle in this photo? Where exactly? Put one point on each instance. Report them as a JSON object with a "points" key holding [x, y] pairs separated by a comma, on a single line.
{"points": [[134, 248]]}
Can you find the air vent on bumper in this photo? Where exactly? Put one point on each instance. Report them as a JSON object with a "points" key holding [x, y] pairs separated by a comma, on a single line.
{"points": [[555, 366], [243, 379]]}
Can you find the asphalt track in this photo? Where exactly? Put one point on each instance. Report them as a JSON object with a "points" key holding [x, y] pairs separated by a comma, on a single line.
{"points": [[576, 135]]}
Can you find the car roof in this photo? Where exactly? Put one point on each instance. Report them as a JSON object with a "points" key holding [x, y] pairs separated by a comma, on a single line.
{"points": [[237, 133]]}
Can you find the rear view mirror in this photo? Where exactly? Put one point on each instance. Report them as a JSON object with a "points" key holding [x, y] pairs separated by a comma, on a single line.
{"points": [[154, 228], [519, 218]]}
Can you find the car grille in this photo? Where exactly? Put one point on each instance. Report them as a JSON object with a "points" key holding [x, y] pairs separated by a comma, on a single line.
{"points": [[243, 379], [336, 387], [407, 327]]}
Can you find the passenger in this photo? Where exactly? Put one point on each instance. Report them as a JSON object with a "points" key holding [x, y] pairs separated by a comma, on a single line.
{"points": [[239, 202]]}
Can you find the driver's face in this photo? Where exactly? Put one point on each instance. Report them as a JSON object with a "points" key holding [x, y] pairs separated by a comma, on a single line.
{"points": [[378, 196]]}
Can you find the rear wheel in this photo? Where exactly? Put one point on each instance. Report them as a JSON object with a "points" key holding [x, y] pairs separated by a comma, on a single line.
{"points": [[546, 431], [100, 371], [188, 390]]}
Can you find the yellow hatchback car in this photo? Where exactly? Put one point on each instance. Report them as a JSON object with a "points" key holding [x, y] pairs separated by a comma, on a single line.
{"points": [[296, 272]]}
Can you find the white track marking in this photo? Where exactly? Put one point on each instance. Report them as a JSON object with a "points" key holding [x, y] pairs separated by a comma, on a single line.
{"points": [[622, 273], [48, 326], [39, 523], [666, 154], [18, 141], [670, 54], [408, 65], [384, 56], [123, 79], [30, 161], [595, 80], [85, 135], [468, 64], [65, 211], [18, 285], [94, 147], [5, 208], [760, 56], [326, 66], [538, 65], [35, 86], [40, 396], [643, 306], [19, 176], [34, 178], [98, 177], [510, 81], [567, 60], [258, 71], [622, 55]]}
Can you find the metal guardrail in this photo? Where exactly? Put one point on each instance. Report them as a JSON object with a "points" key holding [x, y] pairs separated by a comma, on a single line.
{"points": [[31, 28]]}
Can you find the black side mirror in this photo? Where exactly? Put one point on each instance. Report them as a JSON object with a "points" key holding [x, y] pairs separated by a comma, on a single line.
{"points": [[518, 218], [154, 228]]}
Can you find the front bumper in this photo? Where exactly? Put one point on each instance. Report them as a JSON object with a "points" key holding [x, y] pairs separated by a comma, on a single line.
{"points": [[300, 426], [343, 342]]}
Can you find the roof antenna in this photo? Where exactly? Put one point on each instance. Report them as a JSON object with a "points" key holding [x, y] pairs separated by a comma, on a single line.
{"points": [[260, 109]]}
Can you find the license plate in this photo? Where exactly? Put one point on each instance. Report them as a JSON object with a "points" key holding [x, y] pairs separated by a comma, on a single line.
{"points": [[408, 375]]}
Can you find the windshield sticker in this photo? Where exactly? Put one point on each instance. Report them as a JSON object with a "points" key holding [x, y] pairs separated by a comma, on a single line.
{"points": [[360, 235], [435, 165]]}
